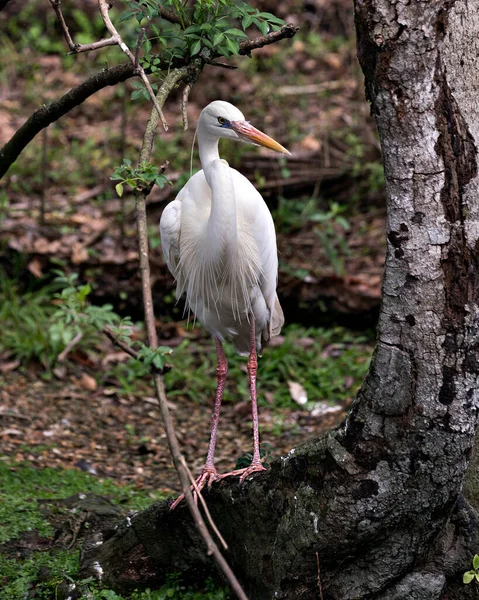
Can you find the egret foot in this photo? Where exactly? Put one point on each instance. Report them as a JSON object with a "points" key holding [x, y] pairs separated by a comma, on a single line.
{"points": [[255, 467], [206, 477]]}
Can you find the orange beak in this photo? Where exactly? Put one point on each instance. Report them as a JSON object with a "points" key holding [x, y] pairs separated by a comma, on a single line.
{"points": [[249, 133]]}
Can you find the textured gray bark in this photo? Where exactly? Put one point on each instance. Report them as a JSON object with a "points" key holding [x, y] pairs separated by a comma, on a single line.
{"points": [[379, 500]]}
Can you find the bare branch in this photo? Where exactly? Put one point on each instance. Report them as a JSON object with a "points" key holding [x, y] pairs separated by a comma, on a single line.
{"points": [[184, 105], [122, 345], [68, 348], [66, 32], [172, 17], [138, 46], [287, 31]]}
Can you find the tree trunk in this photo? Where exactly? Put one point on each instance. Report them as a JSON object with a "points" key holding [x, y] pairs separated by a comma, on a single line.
{"points": [[378, 501]]}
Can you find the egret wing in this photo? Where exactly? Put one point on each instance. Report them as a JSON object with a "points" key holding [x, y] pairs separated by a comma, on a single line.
{"points": [[170, 230]]}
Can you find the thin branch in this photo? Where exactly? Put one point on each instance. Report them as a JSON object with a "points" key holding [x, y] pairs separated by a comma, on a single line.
{"points": [[168, 84], [138, 46], [184, 105], [204, 505], [120, 343], [172, 17], [68, 348], [320, 587], [287, 31], [61, 19]]}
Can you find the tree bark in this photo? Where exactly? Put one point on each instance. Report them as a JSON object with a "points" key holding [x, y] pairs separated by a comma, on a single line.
{"points": [[378, 500]]}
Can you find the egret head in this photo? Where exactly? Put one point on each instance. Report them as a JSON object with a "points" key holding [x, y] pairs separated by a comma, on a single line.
{"points": [[223, 120]]}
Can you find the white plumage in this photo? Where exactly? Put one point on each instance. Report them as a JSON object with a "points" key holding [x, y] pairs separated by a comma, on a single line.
{"points": [[219, 243]]}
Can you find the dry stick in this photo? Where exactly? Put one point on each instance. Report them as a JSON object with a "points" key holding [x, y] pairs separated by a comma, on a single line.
{"points": [[204, 505], [184, 105], [320, 587], [74, 47], [170, 81], [44, 176]]}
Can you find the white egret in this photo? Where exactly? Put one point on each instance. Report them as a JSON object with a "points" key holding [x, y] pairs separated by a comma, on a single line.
{"points": [[219, 243]]}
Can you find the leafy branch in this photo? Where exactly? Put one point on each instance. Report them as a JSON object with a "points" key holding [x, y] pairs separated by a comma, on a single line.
{"points": [[142, 177]]}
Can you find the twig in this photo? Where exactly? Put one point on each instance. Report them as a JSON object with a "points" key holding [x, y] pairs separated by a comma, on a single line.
{"points": [[320, 588], [138, 46], [66, 32], [173, 444], [121, 344], [172, 17], [71, 344], [43, 175], [184, 105], [287, 31], [168, 84], [205, 506]]}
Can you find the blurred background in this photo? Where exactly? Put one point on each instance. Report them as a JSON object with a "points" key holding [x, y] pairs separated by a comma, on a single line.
{"points": [[68, 398]]}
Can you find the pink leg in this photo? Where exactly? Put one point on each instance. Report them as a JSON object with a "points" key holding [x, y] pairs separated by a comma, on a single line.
{"points": [[208, 473], [256, 464]]}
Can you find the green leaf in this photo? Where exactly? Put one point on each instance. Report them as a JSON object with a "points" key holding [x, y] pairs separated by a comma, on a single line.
{"points": [[232, 45], [125, 15], [263, 27], [247, 21], [236, 33], [119, 189], [468, 577], [195, 48], [271, 18], [475, 562], [217, 38], [148, 46]]}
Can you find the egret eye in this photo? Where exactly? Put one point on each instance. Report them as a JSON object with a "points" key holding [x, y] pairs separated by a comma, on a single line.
{"points": [[221, 120]]}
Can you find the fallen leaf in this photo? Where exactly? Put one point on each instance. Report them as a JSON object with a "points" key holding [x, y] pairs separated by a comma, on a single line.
{"points": [[10, 432], [88, 382], [35, 267], [298, 393], [79, 253], [9, 366]]}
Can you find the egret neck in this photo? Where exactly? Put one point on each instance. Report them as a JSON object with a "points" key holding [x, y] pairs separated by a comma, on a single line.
{"points": [[222, 222]]}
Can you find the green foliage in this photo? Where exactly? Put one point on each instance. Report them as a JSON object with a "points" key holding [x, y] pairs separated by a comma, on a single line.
{"points": [[333, 243], [330, 226], [474, 573], [38, 325], [206, 28], [143, 176]]}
